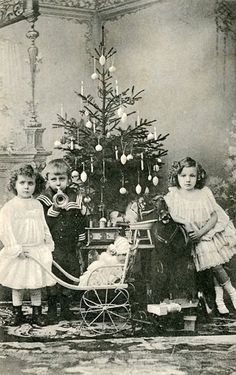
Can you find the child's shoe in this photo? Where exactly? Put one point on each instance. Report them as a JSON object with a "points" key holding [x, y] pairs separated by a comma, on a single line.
{"points": [[18, 317], [37, 317], [222, 309]]}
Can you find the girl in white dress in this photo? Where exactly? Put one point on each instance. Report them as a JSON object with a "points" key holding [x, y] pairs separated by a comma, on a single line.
{"points": [[191, 203], [24, 232]]}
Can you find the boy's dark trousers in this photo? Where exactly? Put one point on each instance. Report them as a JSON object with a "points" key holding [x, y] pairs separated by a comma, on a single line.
{"points": [[58, 295]]}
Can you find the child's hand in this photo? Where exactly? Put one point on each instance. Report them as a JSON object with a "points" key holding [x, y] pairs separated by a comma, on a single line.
{"points": [[195, 235]]}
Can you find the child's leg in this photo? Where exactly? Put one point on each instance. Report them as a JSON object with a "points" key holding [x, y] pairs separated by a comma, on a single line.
{"points": [[17, 300], [220, 298], [35, 296], [224, 280]]}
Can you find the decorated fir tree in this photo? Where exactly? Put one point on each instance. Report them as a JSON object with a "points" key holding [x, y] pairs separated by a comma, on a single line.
{"points": [[117, 153]]}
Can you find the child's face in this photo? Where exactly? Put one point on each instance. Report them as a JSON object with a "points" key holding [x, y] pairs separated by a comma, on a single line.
{"points": [[187, 178], [25, 186], [58, 180], [121, 258]]}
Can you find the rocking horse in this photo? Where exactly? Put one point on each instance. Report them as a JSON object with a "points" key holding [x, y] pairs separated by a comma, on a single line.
{"points": [[173, 273]]}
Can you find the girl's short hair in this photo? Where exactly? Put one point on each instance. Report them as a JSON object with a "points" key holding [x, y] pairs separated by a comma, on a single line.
{"points": [[29, 171], [57, 166], [178, 166]]}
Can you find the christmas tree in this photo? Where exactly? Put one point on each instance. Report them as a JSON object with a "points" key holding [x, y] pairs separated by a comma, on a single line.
{"points": [[118, 156]]}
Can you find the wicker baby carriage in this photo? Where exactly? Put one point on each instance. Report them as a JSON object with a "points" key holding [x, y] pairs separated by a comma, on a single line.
{"points": [[105, 306]]}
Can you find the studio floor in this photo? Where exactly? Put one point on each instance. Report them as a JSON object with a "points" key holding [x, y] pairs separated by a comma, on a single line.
{"points": [[62, 349]]}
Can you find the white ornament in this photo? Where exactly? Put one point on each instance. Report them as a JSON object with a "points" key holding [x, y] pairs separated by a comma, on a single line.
{"points": [[155, 180], [159, 160], [108, 134], [88, 124], [156, 167], [57, 144], [94, 75], [87, 199], [123, 118], [149, 177], [98, 147], [102, 60], [138, 189], [123, 159], [120, 111], [83, 176], [112, 69], [130, 157], [146, 190], [123, 190], [86, 112], [150, 136]]}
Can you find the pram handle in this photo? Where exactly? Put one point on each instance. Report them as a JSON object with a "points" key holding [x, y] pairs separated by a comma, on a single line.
{"points": [[76, 287]]}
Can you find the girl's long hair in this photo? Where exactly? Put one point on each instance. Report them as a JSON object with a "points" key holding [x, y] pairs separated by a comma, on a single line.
{"points": [[29, 171]]}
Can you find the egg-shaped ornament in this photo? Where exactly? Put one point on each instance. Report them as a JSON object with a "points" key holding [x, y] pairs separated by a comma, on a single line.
{"points": [[155, 180], [130, 157], [138, 189], [124, 118], [149, 177], [112, 69], [150, 136], [108, 134], [87, 199], [156, 167], [102, 60], [98, 147], [159, 160], [57, 144], [123, 159], [88, 124], [94, 76], [146, 190], [120, 111], [83, 176], [86, 112], [123, 190]]}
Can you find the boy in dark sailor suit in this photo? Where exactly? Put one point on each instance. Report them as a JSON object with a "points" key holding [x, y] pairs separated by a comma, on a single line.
{"points": [[64, 216]]}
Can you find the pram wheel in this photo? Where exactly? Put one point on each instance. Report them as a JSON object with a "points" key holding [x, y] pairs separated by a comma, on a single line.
{"points": [[105, 311]]}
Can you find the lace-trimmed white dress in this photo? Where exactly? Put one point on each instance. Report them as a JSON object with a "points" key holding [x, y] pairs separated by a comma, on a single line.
{"points": [[218, 245], [23, 226]]}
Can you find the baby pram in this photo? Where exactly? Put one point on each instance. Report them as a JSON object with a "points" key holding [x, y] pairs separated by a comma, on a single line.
{"points": [[105, 305]]}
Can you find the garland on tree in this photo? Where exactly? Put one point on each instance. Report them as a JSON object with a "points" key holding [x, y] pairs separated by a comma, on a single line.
{"points": [[118, 157]]}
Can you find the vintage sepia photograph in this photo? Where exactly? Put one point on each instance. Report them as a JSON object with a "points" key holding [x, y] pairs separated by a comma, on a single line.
{"points": [[118, 187]]}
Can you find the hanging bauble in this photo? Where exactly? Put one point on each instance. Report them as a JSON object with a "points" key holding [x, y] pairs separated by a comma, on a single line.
{"points": [[149, 177], [120, 111], [94, 75], [159, 160], [83, 176], [57, 144], [123, 190], [146, 190], [123, 159], [123, 118], [87, 199], [86, 112], [156, 167], [150, 136], [108, 134], [112, 69], [102, 60], [155, 180], [138, 189], [88, 124], [130, 157], [98, 147]]}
